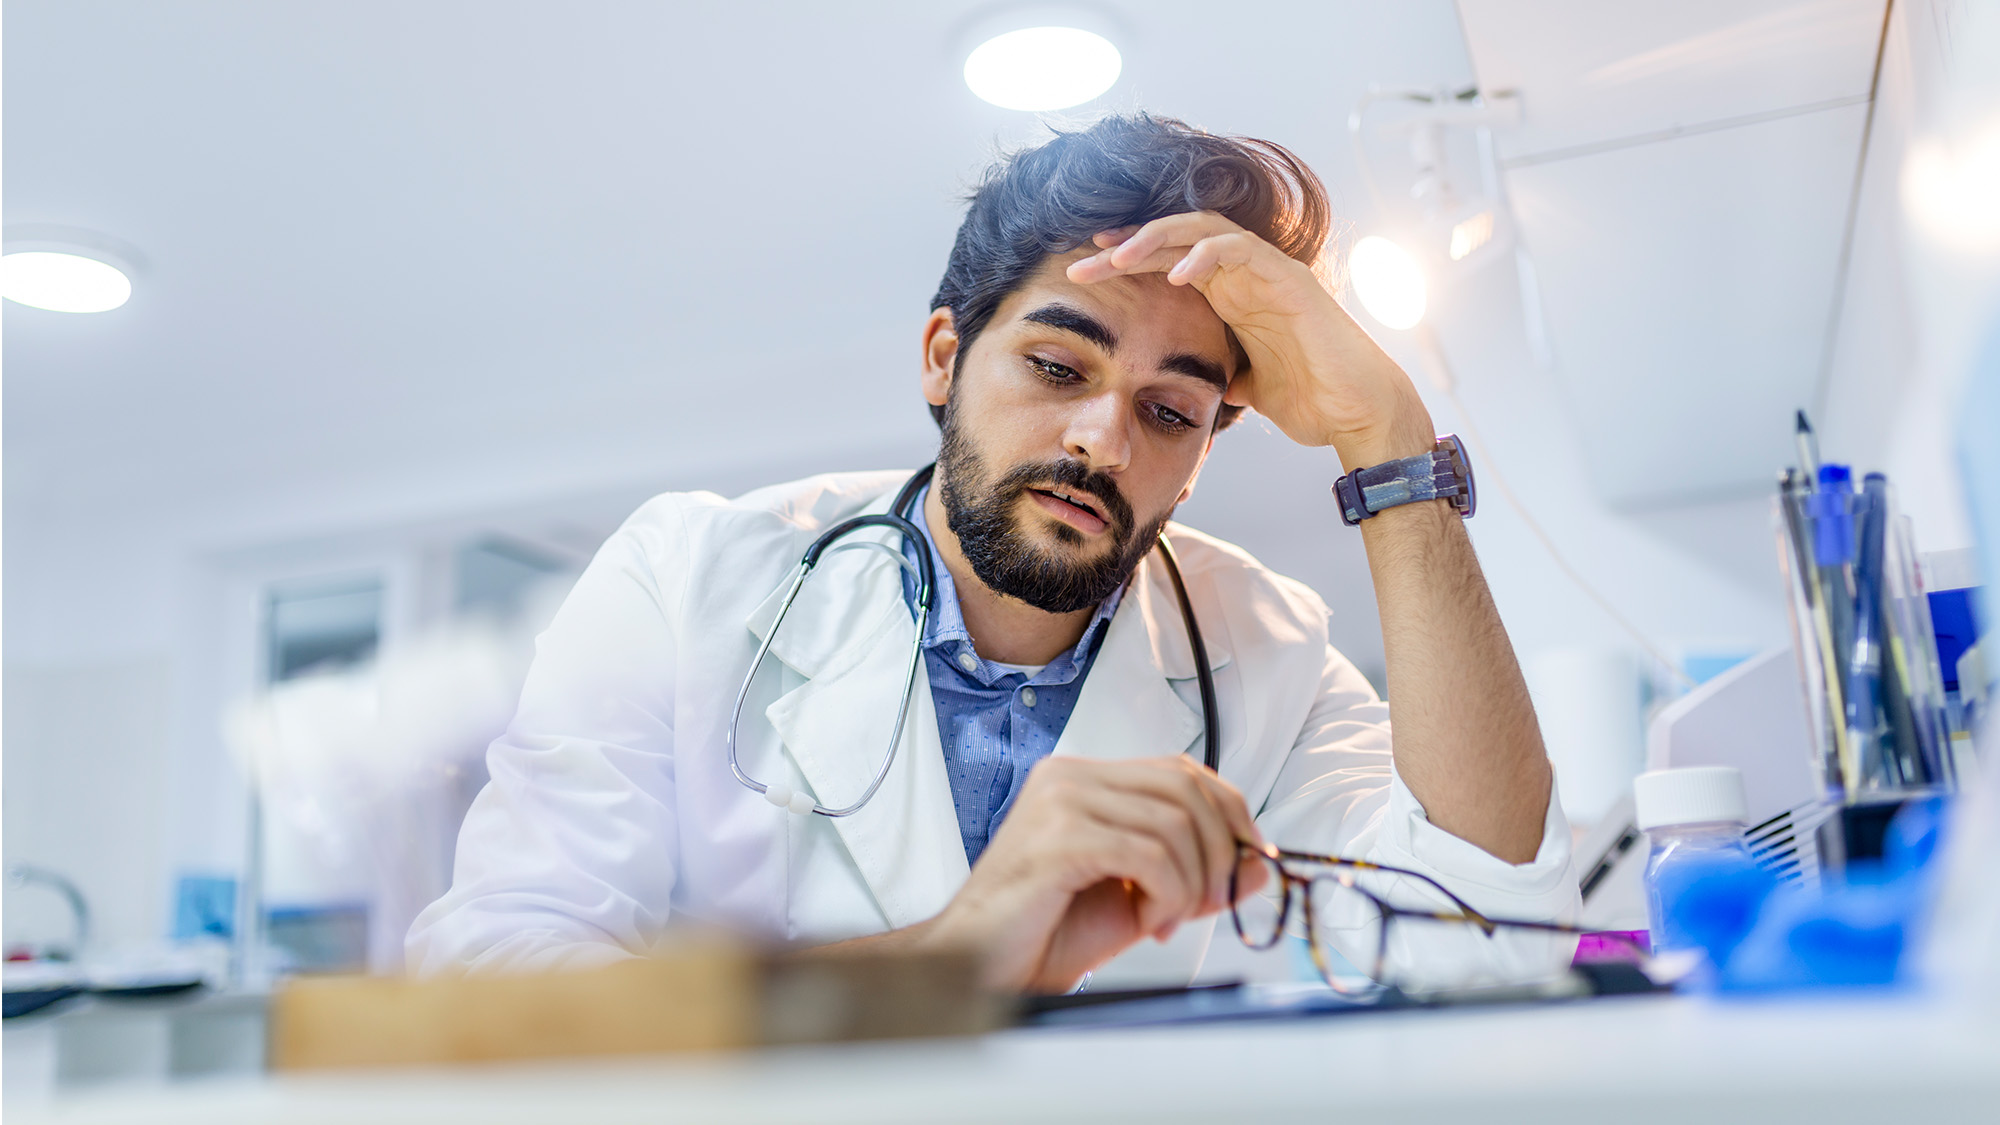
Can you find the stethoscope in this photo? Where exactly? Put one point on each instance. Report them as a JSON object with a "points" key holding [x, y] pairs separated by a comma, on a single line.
{"points": [[782, 794]]}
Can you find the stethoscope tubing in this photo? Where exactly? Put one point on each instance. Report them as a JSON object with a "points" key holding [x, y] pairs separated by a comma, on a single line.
{"points": [[784, 795]]}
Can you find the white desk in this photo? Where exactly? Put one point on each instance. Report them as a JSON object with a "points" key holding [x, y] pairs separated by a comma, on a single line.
{"points": [[1624, 1061]]}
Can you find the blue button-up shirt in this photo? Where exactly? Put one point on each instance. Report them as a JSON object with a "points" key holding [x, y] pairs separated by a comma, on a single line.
{"points": [[995, 722]]}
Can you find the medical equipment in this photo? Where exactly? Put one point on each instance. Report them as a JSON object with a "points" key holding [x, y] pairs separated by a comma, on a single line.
{"points": [[782, 794]]}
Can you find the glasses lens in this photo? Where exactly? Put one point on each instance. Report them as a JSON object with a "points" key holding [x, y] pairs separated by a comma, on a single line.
{"points": [[1426, 944], [1260, 915], [1347, 933]]}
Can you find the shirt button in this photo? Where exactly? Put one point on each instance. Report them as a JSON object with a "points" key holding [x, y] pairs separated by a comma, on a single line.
{"points": [[1027, 697], [968, 662]]}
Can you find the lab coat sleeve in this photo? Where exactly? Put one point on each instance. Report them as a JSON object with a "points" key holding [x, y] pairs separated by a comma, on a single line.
{"points": [[1338, 793], [567, 857]]}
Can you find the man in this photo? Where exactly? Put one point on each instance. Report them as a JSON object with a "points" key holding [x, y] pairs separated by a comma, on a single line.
{"points": [[1114, 299]]}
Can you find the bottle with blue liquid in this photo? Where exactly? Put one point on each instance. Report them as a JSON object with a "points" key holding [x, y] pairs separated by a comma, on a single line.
{"points": [[1694, 818]]}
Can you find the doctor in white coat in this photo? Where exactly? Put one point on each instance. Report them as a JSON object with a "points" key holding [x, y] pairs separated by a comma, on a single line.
{"points": [[1113, 300]]}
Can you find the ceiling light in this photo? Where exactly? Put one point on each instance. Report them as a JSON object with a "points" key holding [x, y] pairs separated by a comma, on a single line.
{"points": [[1388, 281], [1950, 190], [1042, 68], [60, 282], [1471, 234]]}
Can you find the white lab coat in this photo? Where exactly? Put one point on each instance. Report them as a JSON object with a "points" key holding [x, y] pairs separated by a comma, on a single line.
{"points": [[612, 812]]}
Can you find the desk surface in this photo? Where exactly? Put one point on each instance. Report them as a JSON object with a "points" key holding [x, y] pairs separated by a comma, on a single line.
{"points": [[1639, 1059]]}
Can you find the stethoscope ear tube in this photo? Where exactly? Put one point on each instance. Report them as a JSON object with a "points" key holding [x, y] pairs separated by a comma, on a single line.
{"points": [[1211, 736]]}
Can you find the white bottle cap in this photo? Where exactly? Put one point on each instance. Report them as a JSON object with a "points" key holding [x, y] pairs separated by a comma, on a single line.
{"points": [[1695, 795]]}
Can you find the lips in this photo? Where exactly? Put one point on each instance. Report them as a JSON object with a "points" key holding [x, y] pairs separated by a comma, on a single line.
{"points": [[1072, 507]]}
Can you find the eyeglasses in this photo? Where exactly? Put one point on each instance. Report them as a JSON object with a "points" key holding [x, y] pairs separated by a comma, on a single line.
{"points": [[1370, 928]]}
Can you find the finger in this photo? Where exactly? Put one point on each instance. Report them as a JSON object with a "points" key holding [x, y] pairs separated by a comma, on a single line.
{"points": [[1222, 848], [1165, 898], [1110, 238], [1242, 389], [1184, 229], [1098, 267], [1204, 258], [1101, 848], [1211, 825], [1227, 799], [1218, 814], [1174, 825], [1251, 875], [1194, 264]]}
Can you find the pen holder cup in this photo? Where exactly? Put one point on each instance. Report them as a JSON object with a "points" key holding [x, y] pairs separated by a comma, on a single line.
{"points": [[1861, 629]]}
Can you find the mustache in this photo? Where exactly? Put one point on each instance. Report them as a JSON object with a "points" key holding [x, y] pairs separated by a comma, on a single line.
{"points": [[1068, 474]]}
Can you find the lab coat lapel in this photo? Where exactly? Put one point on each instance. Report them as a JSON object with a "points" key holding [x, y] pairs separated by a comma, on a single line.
{"points": [[850, 632], [1126, 708]]}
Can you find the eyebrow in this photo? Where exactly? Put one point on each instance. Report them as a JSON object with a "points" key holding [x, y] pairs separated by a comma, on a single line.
{"points": [[1196, 367], [1067, 318], [1075, 320]]}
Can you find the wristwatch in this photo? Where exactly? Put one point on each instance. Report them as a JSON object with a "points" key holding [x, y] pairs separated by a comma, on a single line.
{"points": [[1442, 474]]}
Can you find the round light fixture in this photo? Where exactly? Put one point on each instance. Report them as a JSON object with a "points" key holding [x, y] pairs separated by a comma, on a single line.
{"points": [[63, 282], [1042, 68], [1388, 281]]}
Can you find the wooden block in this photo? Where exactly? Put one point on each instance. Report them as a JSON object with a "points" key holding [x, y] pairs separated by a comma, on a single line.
{"points": [[693, 998], [820, 998]]}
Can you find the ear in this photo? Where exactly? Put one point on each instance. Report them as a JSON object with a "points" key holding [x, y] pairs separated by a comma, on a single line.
{"points": [[940, 354], [1189, 490]]}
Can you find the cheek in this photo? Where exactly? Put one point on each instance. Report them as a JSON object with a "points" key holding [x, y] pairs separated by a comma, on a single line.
{"points": [[1013, 420], [1168, 469]]}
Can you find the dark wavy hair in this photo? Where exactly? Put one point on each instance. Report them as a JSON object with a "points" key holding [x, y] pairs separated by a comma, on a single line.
{"points": [[1121, 171]]}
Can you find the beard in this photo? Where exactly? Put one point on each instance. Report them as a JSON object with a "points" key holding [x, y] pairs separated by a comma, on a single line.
{"points": [[1004, 554]]}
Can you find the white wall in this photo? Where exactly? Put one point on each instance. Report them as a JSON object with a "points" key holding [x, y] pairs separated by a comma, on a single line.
{"points": [[86, 763], [1892, 376]]}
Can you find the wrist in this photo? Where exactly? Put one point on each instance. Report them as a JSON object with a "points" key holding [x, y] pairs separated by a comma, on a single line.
{"points": [[1409, 433]]}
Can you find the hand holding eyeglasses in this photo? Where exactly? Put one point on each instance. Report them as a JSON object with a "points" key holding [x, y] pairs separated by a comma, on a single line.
{"points": [[1099, 855], [1094, 857]]}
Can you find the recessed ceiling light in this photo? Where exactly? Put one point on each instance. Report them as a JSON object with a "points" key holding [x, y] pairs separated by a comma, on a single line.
{"points": [[63, 282], [66, 269], [1388, 281], [1042, 68]]}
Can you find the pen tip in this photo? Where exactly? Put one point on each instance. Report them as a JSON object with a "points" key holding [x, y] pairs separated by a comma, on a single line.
{"points": [[1804, 426]]}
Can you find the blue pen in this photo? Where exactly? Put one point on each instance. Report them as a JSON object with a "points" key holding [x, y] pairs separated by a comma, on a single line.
{"points": [[1830, 517], [1832, 510], [1870, 726]]}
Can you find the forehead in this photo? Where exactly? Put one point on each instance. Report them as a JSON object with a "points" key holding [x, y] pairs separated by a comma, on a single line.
{"points": [[1150, 317]]}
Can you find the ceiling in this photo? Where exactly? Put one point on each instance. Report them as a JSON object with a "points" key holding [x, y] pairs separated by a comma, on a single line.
{"points": [[407, 259], [1685, 186], [453, 247]]}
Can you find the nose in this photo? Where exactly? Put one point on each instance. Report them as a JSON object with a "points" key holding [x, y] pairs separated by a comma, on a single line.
{"points": [[1098, 433]]}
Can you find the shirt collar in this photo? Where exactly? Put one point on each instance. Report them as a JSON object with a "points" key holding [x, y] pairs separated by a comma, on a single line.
{"points": [[947, 621]]}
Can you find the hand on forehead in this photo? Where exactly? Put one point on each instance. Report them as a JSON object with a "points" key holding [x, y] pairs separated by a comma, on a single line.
{"points": [[1141, 321]]}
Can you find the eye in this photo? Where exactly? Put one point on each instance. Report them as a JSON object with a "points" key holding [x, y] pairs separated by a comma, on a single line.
{"points": [[1052, 371], [1172, 421]]}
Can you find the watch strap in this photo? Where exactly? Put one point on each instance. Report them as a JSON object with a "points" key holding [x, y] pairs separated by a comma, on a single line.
{"points": [[1441, 474]]}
